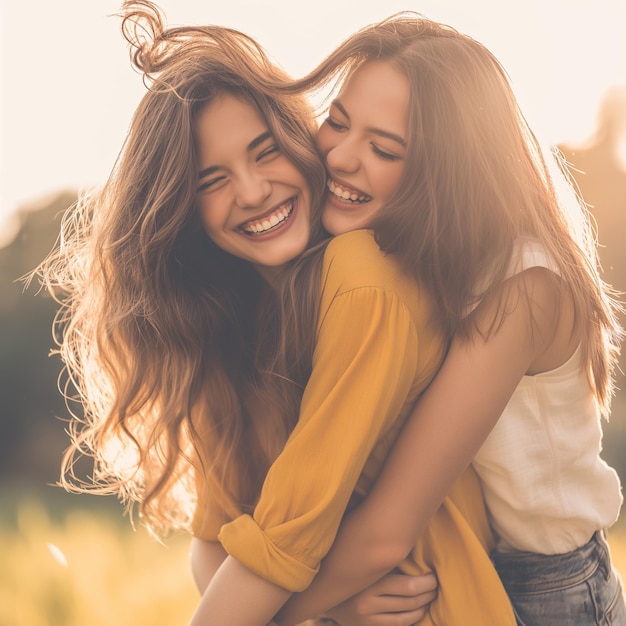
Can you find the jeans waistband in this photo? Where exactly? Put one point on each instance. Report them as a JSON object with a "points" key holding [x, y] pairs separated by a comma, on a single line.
{"points": [[527, 572]]}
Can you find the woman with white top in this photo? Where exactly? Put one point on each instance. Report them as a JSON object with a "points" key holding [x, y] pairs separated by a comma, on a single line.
{"points": [[505, 246]]}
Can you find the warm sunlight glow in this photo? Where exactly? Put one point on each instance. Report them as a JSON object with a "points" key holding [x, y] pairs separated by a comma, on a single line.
{"points": [[57, 554], [585, 47], [63, 128]]}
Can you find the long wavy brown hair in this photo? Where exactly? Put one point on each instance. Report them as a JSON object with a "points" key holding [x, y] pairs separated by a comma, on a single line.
{"points": [[171, 345], [476, 180]]}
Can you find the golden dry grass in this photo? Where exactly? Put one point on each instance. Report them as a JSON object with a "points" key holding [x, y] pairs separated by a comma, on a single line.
{"points": [[94, 569], [617, 540], [90, 569]]}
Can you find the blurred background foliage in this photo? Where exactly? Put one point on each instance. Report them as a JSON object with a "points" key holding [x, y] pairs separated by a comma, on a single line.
{"points": [[70, 560], [66, 559]]}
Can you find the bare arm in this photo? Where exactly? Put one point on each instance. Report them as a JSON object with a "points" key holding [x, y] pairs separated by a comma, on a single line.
{"points": [[395, 593], [443, 433], [251, 600], [206, 558]]}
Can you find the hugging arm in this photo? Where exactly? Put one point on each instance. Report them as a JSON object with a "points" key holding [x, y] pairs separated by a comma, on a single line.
{"points": [[392, 594], [443, 433], [357, 389], [394, 600]]}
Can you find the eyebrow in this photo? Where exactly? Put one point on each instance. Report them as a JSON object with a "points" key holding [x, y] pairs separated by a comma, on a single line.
{"points": [[371, 129], [255, 143]]}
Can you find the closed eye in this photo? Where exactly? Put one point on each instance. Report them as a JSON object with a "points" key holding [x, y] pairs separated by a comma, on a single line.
{"points": [[335, 125], [272, 150], [211, 184], [384, 155]]}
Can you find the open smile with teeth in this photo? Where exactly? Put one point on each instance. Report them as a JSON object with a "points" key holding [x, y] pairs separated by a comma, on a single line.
{"points": [[270, 222], [347, 194]]}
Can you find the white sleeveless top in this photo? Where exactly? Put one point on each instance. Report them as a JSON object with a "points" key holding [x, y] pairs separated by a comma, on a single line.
{"points": [[546, 488]]}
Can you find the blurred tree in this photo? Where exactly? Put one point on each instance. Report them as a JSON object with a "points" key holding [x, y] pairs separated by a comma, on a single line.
{"points": [[31, 434], [598, 166]]}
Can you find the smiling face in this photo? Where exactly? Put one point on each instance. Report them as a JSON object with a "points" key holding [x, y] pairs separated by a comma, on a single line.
{"points": [[253, 202], [363, 141]]}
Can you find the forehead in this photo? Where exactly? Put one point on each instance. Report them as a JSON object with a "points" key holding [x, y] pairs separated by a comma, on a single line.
{"points": [[225, 127], [379, 91]]}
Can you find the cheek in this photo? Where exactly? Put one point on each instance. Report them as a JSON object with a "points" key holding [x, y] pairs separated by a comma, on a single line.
{"points": [[284, 172], [390, 180], [325, 138], [210, 216]]}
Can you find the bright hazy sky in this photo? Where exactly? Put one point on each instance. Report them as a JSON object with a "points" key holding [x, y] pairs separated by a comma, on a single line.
{"points": [[68, 91]]}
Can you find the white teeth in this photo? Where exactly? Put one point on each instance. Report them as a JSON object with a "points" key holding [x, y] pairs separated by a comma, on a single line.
{"points": [[261, 226], [344, 194]]}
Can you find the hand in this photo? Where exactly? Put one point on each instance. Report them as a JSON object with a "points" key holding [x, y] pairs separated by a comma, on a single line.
{"points": [[395, 600]]}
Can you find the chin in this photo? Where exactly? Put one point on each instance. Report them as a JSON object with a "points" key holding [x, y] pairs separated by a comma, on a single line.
{"points": [[336, 224]]}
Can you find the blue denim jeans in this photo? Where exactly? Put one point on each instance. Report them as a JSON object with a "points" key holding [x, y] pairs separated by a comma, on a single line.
{"points": [[579, 588]]}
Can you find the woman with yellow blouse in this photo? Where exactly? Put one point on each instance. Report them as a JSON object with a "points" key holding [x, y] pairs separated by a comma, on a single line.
{"points": [[212, 362], [378, 346]]}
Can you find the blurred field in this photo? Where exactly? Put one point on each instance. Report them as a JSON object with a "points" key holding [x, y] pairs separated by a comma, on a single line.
{"points": [[617, 539], [91, 568]]}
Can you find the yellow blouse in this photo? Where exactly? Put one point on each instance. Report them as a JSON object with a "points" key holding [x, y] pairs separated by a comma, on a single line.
{"points": [[377, 348]]}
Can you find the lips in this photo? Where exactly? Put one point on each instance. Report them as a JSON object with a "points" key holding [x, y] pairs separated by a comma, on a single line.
{"points": [[346, 193], [270, 221]]}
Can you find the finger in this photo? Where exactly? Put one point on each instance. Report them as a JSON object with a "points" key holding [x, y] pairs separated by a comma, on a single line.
{"points": [[403, 585], [399, 604], [408, 618]]}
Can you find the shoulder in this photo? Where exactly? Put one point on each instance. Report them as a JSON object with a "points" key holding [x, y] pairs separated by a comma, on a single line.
{"points": [[529, 253], [359, 274], [353, 260], [364, 287], [355, 242]]}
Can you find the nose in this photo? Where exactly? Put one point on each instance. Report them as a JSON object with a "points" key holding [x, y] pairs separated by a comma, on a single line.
{"points": [[343, 157], [251, 190]]}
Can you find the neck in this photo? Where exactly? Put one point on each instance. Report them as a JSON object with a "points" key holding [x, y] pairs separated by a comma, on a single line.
{"points": [[270, 274]]}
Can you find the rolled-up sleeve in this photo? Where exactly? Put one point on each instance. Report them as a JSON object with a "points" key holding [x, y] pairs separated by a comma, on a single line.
{"points": [[363, 367]]}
